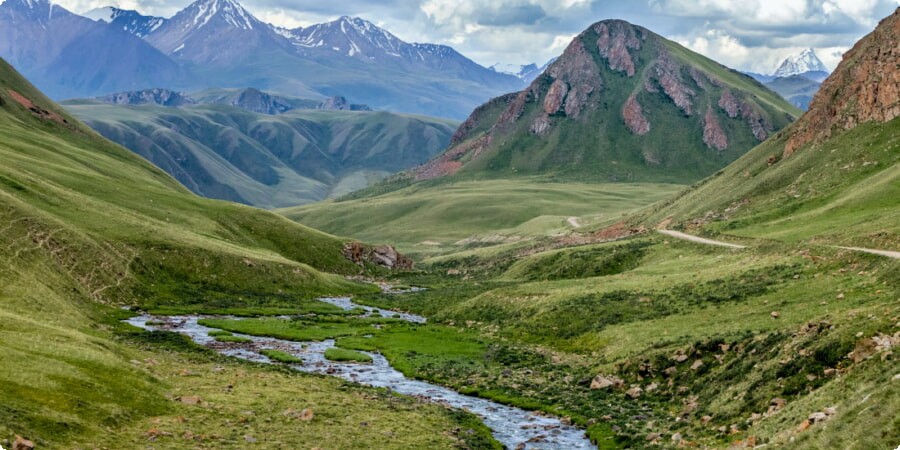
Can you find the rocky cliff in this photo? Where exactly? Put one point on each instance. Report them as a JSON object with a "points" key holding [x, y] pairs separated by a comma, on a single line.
{"points": [[865, 87]]}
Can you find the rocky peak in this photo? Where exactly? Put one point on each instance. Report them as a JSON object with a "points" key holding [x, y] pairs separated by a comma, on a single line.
{"points": [[161, 97], [339, 103], [203, 12], [865, 87], [254, 100], [806, 61]]}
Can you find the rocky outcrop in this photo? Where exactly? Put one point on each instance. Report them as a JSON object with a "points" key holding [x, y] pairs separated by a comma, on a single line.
{"points": [[865, 87], [634, 117], [540, 126], [668, 74], [338, 103], [578, 70], [382, 255], [730, 104], [713, 135], [615, 41], [553, 101], [258, 101], [161, 97]]}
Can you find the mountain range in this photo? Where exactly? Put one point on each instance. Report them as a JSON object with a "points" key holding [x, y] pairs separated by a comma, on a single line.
{"points": [[261, 149], [220, 43], [524, 72]]}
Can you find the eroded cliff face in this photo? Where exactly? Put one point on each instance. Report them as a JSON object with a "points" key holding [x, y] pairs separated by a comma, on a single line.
{"points": [[865, 87]]}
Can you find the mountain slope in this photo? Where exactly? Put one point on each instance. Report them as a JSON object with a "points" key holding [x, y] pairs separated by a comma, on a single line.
{"points": [[797, 89], [68, 55], [296, 157], [833, 176], [621, 104]]}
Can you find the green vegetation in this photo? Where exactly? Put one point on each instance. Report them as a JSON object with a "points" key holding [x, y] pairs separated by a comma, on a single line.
{"points": [[280, 356], [87, 226], [450, 217], [340, 354], [302, 156], [233, 339], [841, 192]]}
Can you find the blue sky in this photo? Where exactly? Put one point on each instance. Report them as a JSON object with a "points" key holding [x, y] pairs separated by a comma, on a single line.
{"points": [[744, 34]]}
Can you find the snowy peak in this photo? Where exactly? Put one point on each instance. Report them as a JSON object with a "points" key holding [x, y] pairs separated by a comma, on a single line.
{"points": [[526, 72], [203, 12], [806, 61], [348, 35], [128, 20], [37, 10]]}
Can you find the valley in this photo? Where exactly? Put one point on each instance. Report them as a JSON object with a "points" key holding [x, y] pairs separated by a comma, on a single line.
{"points": [[633, 246]]}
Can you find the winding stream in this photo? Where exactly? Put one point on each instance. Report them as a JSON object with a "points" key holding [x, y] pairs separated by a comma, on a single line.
{"points": [[513, 427]]}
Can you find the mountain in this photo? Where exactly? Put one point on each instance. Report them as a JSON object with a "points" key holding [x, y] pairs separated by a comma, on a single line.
{"points": [[254, 100], [797, 89], [127, 20], [67, 55], [621, 104], [231, 148], [338, 103], [833, 176], [526, 73], [806, 63], [162, 97], [224, 43]]}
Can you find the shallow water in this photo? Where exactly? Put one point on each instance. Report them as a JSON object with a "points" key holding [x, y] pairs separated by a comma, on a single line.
{"points": [[511, 426]]}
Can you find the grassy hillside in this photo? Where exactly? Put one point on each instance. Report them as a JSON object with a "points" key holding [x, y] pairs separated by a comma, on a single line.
{"points": [[87, 226], [449, 217], [302, 156]]}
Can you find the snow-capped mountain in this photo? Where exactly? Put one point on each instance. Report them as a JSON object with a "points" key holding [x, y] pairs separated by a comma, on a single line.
{"points": [[127, 20], [214, 30], [526, 72], [67, 55], [801, 64], [352, 36]]}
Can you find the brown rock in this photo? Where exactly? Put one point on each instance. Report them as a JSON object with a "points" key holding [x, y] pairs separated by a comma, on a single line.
{"points": [[634, 117], [634, 392], [541, 125], [730, 104], [777, 404], [306, 415], [697, 364], [191, 400], [605, 382], [616, 39], [713, 135], [553, 102], [22, 444], [775, 314], [803, 426], [668, 73]]}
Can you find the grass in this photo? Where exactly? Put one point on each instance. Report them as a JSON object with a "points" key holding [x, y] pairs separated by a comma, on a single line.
{"points": [[233, 339], [456, 216], [297, 330], [280, 356], [344, 355]]}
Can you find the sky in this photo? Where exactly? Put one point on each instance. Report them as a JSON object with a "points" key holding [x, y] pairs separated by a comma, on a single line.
{"points": [[750, 35]]}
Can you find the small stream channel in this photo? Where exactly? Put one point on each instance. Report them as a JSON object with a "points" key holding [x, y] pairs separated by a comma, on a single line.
{"points": [[513, 427]]}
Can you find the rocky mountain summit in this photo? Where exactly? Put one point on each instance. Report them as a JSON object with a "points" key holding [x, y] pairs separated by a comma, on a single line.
{"points": [[127, 20], [621, 103], [806, 63]]}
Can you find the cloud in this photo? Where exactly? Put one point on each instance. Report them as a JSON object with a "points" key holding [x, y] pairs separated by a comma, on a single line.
{"points": [[744, 34]]}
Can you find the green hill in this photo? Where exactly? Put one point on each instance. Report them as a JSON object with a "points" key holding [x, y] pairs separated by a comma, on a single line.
{"points": [[302, 156], [621, 104], [87, 226]]}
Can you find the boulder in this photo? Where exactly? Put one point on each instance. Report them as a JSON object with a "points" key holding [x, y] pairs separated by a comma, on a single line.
{"points": [[22, 444], [605, 382]]}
